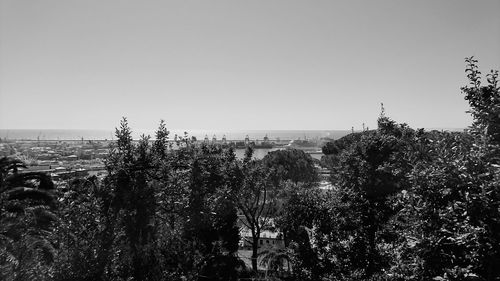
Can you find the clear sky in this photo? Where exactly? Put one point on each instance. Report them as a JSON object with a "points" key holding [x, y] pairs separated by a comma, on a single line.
{"points": [[228, 64]]}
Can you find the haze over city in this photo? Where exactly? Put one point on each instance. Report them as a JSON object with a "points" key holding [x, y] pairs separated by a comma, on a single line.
{"points": [[231, 65]]}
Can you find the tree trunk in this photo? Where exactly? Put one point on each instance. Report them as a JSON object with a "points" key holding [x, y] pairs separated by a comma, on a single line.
{"points": [[255, 248]]}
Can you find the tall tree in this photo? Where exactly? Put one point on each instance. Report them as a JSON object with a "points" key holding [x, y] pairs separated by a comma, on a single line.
{"points": [[133, 205], [256, 201], [484, 102], [211, 213]]}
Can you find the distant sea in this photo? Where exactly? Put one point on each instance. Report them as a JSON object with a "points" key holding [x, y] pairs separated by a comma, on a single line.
{"points": [[51, 134]]}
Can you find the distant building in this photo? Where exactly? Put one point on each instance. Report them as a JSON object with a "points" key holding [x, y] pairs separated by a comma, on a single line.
{"points": [[268, 239], [72, 157]]}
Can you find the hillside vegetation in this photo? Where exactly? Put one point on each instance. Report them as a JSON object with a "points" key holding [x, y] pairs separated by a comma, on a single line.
{"points": [[406, 204]]}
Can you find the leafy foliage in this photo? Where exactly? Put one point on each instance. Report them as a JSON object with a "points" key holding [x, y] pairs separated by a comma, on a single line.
{"points": [[406, 205], [160, 214], [27, 217], [291, 164]]}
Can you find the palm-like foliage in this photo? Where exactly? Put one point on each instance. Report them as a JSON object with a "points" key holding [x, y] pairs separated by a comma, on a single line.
{"points": [[26, 221], [7, 165]]}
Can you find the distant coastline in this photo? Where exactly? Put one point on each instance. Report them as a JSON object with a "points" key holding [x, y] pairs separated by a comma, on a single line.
{"points": [[57, 134], [71, 134]]}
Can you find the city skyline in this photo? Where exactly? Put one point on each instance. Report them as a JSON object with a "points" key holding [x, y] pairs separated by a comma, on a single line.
{"points": [[240, 65]]}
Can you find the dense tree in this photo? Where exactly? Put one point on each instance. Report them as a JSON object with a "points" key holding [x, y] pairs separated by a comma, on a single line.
{"points": [[291, 164], [132, 205], [211, 213], [338, 234], [450, 217], [85, 233], [160, 214]]}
